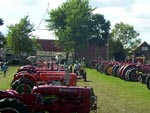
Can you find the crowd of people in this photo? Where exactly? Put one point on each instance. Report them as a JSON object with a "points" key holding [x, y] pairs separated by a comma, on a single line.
{"points": [[78, 67]]}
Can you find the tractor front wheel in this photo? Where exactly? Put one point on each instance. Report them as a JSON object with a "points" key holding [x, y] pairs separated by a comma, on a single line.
{"points": [[9, 105]]}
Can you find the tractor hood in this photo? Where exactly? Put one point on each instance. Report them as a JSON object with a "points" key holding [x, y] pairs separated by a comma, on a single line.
{"points": [[52, 89]]}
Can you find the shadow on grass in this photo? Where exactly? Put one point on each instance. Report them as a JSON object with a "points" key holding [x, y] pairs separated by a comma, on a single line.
{"points": [[81, 80]]}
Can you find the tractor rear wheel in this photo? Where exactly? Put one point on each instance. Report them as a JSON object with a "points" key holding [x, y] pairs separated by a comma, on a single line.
{"points": [[132, 75], [9, 105], [23, 86]]}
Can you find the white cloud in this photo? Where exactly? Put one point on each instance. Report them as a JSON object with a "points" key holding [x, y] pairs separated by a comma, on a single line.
{"points": [[44, 34], [117, 15], [141, 10], [19, 2], [13, 10], [133, 12]]}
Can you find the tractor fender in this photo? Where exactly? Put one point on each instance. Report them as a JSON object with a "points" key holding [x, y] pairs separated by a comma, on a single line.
{"points": [[28, 76]]}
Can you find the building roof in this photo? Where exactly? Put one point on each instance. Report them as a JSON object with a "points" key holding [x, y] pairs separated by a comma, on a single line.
{"points": [[49, 45], [142, 44]]}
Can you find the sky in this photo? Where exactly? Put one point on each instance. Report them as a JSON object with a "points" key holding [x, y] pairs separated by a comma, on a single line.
{"points": [[133, 12]]}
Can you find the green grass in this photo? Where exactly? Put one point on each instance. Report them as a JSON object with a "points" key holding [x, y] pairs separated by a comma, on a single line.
{"points": [[118, 96], [5, 81], [114, 95]]}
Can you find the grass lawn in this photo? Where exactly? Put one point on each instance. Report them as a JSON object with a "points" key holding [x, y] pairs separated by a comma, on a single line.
{"points": [[114, 95], [5, 82]]}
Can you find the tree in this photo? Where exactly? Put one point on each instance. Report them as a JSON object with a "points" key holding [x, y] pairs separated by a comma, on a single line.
{"points": [[2, 40], [19, 37], [1, 21], [117, 52], [99, 29], [2, 37], [70, 22], [35, 45], [126, 34]]}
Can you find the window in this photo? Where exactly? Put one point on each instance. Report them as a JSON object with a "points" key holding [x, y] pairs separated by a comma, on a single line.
{"points": [[144, 48]]}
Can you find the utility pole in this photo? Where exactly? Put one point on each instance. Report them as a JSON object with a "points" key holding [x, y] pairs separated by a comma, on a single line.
{"points": [[108, 47]]}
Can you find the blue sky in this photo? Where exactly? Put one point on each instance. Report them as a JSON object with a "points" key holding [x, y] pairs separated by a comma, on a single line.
{"points": [[133, 12]]}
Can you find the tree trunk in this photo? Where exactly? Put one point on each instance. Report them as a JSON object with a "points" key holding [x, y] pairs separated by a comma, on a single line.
{"points": [[67, 56]]}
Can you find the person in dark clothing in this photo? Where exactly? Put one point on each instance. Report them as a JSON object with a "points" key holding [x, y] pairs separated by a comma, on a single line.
{"points": [[4, 69]]}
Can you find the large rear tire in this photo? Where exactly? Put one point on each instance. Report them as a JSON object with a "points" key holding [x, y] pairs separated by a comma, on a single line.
{"points": [[9, 105], [23, 86]]}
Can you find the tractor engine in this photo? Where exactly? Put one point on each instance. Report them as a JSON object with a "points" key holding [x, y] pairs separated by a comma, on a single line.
{"points": [[49, 99], [64, 99]]}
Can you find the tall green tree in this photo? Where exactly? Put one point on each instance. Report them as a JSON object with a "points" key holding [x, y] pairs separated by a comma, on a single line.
{"points": [[126, 34], [2, 40], [70, 22], [2, 37], [117, 51], [19, 37], [99, 29], [1, 21], [35, 45], [124, 38]]}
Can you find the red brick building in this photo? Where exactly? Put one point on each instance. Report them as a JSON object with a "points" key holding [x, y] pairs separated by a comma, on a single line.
{"points": [[90, 52]]}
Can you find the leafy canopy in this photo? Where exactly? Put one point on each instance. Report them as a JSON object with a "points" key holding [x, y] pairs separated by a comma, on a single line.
{"points": [[126, 34], [123, 39], [2, 37], [99, 29], [18, 37], [70, 22], [1, 21]]}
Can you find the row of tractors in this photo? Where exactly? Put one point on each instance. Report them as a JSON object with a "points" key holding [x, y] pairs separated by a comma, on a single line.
{"points": [[40, 90], [135, 72]]}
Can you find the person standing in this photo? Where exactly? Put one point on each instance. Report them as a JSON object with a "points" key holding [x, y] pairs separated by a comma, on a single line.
{"points": [[4, 69], [76, 68]]}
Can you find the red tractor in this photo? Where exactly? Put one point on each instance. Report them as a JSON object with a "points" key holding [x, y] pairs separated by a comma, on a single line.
{"points": [[49, 99], [24, 79], [29, 76]]}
